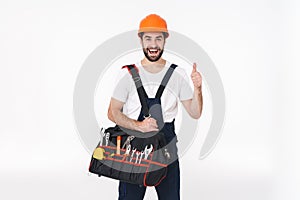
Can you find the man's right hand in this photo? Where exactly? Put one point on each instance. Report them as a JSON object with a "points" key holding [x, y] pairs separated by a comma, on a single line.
{"points": [[115, 115], [147, 125]]}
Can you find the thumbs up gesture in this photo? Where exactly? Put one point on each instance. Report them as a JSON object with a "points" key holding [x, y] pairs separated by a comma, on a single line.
{"points": [[196, 77]]}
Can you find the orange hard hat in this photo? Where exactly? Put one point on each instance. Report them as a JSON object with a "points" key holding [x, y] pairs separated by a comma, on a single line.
{"points": [[153, 23]]}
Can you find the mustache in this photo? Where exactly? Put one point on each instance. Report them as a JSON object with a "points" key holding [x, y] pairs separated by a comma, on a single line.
{"points": [[156, 48]]}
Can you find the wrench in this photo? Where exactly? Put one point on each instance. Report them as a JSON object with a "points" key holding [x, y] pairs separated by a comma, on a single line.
{"points": [[107, 138], [137, 156], [142, 153], [133, 151], [147, 151]]}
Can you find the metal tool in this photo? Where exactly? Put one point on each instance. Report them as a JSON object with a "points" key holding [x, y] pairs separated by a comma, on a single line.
{"points": [[101, 136], [128, 140], [127, 152], [142, 153], [167, 154], [137, 156], [107, 138], [147, 151], [132, 154]]}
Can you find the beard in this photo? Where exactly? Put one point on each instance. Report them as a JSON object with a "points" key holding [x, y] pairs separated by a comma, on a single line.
{"points": [[153, 58]]}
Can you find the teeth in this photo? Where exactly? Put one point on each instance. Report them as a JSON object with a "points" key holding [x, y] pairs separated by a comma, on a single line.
{"points": [[153, 51]]}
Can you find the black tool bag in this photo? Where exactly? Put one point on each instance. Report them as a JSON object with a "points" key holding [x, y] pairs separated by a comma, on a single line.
{"points": [[131, 168]]}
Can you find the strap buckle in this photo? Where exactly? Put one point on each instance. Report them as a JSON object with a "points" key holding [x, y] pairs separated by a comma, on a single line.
{"points": [[136, 79], [147, 116]]}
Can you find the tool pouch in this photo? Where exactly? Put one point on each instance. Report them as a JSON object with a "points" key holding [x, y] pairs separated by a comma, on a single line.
{"points": [[149, 172]]}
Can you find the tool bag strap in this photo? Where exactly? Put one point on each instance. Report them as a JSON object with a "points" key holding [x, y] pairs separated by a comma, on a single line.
{"points": [[165, 81], [133, 70]]}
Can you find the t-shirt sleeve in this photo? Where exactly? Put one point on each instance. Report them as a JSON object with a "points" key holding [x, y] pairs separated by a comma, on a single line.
{"points": [[185, 89], [122, 85]]}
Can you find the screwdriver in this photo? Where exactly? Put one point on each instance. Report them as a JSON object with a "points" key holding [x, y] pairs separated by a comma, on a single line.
{"points": [[118, 144]]}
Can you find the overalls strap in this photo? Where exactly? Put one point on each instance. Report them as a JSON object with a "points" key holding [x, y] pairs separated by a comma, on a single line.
{"points": [[165, 81], [133, 70]]}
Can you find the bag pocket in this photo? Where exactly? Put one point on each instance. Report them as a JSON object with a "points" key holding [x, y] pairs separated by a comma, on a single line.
{"points": [[138, 173], [156, 172], [125, 171], [100, 162], [117, 164]]}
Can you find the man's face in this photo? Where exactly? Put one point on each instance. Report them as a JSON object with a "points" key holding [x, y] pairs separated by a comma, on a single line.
{"points": [[153, 45]]}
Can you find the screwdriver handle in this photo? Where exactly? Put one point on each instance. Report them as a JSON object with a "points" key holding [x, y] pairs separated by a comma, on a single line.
{"points": [[118, 145]]}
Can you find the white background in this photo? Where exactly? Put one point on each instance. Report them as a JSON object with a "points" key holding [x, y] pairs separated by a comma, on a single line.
{"points": [[253, 45]]}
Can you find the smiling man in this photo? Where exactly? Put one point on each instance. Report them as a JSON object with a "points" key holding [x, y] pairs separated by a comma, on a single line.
{"points": [[125, 108], [153, 51]]}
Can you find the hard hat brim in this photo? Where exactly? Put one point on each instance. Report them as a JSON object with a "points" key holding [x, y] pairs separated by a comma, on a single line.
{"points": [[154, 29]]}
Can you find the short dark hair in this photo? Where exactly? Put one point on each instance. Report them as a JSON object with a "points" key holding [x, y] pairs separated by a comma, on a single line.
{"points": [[142, 33]]}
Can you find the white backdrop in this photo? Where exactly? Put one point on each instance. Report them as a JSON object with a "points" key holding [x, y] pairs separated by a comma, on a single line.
{"points": [[253, 45]]}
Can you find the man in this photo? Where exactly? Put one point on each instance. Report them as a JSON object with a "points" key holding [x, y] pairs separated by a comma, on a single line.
{"points": [[125, 106]]}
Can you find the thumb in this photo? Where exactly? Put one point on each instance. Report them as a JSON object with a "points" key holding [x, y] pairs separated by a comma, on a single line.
{"points": [[194, 67]]}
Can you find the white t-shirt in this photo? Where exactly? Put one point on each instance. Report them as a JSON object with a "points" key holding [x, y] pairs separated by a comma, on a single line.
{"points": [[177, 88]]}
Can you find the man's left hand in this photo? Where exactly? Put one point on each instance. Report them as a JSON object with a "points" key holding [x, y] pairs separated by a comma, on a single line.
{"points": [[196, 77]]}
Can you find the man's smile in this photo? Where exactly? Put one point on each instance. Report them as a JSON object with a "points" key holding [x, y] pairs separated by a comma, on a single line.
{"points": [[153, 52]]}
